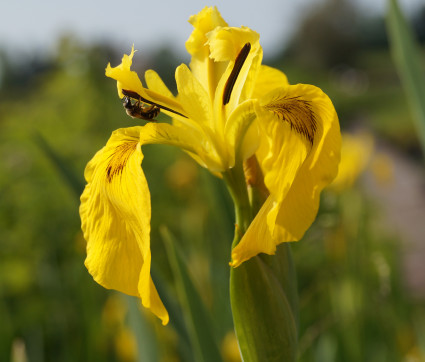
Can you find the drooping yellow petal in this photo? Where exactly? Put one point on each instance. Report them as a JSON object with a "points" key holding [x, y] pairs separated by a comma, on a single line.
{"points": [[288, 123], [286, 151], [299, 207], [302, 121], [257, 238], [115, 213]]}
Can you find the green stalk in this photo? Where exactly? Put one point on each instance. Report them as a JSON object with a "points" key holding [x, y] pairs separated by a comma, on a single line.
{"points": [[263, 290], [408, 58], [235, 181]]}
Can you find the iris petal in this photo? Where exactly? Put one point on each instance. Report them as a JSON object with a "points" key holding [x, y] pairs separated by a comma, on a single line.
{"points": [[226, 42], [115, 213], [203, 22], [241, 141], [129, 80], [194, 98], [156, 84], [300, 206], [189, 140], [126, 78], [300, 158], [257, 238], [268, 79], [225, 45], [203, 67]]}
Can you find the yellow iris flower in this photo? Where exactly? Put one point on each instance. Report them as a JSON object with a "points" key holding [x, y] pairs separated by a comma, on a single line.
{"points": [[229, 108]]}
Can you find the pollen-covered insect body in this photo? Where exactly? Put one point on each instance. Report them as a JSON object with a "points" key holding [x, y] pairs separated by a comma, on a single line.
{"points": [[139, 110]]}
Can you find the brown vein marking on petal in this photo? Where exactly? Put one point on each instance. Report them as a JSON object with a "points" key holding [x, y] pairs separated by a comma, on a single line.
{"points": [[298, 113], [118, 160]]}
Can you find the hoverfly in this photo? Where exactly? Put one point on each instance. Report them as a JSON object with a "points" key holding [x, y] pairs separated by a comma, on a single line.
{"points": [[142, 108]]}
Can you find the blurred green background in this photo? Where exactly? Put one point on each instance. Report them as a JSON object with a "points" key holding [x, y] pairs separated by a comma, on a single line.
{"points": [[361, 267]]}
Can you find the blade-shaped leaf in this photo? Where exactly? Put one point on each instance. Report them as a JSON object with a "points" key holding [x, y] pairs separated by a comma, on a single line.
{"points": [[198, 320], [74, 182], [175, 312], [407, 56], [146, 339]]}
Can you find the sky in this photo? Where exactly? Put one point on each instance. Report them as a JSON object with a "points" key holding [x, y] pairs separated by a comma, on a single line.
{"points": [[26, 25]]}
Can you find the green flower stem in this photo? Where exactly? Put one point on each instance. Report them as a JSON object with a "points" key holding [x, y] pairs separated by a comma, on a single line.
{"points": [[264, 317], [235, 181], [263, 292]]}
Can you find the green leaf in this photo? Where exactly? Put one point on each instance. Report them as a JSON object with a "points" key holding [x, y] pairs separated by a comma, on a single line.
{"points": [[175, 313], [282, 266], [264, 305], [198, 320], [70, 177], [146, 339], [407, 56]]}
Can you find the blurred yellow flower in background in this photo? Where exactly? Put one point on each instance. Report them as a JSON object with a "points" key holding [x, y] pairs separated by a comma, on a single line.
{"points": [[383, 169], [230, 348], [356, 153]]}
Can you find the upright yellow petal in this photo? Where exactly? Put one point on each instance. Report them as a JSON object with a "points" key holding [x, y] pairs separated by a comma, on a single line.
{"points": [[226, 43], [194, 98], [115, 213], [241, 133], [203, 22], [203, 67]]}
